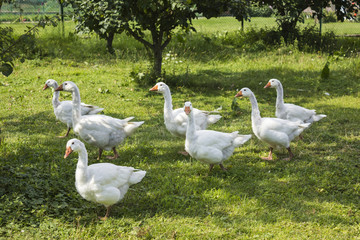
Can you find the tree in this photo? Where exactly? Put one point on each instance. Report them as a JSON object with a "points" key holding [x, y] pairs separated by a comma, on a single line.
{"points": [[151, 22], [101, 16], [160, 19], [4, 1], [240, 9], [289, 13]]}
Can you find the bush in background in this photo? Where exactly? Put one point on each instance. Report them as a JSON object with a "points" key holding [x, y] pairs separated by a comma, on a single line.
{"points": [[262, 11], [329, 16]]}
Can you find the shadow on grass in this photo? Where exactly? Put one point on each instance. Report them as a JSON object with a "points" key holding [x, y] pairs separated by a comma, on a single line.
{"points": [[325, 173]]}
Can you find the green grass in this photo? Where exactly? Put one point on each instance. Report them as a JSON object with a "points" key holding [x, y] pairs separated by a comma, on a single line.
{"points": [[231, 24], [223, 24], [315, 196]]}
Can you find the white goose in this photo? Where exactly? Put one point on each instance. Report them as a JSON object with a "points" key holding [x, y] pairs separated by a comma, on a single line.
{"points": [[274, 131], [176, 120], [289, 111], [103, 183], [63, 109], [207, 146], [101, 131]]}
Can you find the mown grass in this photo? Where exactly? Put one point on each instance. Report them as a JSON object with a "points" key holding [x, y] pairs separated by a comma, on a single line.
{"points": [[231, 24], [313, 197]]}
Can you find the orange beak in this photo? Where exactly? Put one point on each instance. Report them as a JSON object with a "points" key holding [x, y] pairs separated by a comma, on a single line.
{"points": [[268, 85], [154, 88], [239, 94], [187, 110], [67, 152], [60, 88], [45, 87]]}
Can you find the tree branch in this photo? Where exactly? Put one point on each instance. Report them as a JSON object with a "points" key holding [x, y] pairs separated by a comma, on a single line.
{"points": [[167, 41], [137, 37]]}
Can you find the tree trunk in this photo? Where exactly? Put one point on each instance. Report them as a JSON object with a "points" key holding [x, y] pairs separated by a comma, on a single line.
{"points": [[109, 42], [157, 50], [61, 4], [288, 29]]}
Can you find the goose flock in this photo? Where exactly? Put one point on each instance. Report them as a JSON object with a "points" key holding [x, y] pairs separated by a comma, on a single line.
{"points": [[107, 183]]}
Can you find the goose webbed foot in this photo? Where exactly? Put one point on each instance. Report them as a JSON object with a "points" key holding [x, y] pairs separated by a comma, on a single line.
{"points": [[268, 158], [222, 167], [185, 153], [116, 155], [106, 215]]}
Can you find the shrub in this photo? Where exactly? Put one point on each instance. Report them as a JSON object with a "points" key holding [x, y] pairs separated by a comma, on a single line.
{"points": [[263, 11], [329, 16], [310, 40]]}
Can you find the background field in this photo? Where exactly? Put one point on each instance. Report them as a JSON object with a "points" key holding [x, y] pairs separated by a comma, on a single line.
{"points": [[316, 196]]}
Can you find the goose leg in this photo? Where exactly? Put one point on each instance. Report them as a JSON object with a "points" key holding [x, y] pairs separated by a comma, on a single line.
{"points": [[67, 133], [116, 155], [269, 158], [100, 153], [106, 215], [222, 167], [211, 167], [291, 155]]}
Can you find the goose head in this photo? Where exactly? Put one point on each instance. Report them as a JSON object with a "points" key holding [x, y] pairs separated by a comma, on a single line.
{"points": [[67, 86], [244, 92], [273, 83], [50, 83], [73, 145], [188, 108], [159, 87]]}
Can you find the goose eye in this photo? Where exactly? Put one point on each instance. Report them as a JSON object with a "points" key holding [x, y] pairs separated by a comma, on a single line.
{"points": [[65, 83], [73, 143]]}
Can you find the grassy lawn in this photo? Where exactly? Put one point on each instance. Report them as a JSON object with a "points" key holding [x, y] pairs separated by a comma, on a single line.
{"points": [[222, 24], [316, 196], [231, 24]]}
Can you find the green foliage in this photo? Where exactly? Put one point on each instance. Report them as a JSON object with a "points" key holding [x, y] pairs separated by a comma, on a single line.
{"points": [[309, 39], [101, 16], [261, 11], [329, 16], [24, 46], [345, 9], [14, 47], [289, 13], [160, 19]]}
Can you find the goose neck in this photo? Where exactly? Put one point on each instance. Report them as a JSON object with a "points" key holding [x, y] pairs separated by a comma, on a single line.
{"points": [[81, 169], [76, 110], [55, 99], [255, 112], [280, 96], [168, 107], [190, 128]]}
